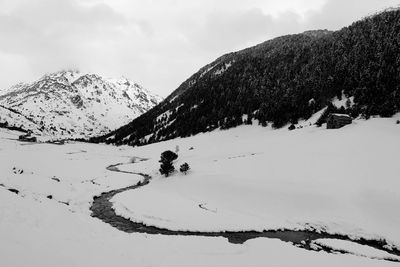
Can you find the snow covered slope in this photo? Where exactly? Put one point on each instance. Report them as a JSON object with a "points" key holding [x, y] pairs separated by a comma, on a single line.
{"points": [[252, 178], [70, 104], [244, 178], [13, 119]]}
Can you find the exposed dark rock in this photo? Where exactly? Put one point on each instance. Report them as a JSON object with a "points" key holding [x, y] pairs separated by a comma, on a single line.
{"points": [[13, 190]]}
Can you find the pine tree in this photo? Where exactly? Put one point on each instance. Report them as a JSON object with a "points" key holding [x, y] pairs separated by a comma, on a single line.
{"points": [[167, 167]]}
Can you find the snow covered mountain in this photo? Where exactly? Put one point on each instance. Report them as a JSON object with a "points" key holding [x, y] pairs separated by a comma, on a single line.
{"points": [[282, 81], [71, 104]]}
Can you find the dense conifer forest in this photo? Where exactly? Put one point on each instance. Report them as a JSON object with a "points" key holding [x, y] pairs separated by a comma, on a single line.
{"points": [[282, 81]]}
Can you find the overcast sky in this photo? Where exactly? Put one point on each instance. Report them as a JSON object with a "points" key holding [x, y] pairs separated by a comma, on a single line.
{"points": [[158, 43]]}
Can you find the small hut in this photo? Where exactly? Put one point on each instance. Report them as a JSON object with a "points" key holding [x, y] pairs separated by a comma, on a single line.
{"points": [[336, 121]]}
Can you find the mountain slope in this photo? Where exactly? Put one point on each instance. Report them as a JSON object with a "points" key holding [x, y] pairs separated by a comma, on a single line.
{"points": [[12, 119], [70, 104], [282, 81]]}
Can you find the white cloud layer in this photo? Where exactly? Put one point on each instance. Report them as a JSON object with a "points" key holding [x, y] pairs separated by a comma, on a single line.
{"points": [[158, 43]]}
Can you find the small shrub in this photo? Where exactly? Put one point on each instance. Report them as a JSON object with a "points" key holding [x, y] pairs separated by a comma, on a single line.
{"points": [[184, 168], [292, 127]]}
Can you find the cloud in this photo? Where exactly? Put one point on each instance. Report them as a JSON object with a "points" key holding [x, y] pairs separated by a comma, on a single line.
{"points": [[227, 31], [58, 34], [336, 14], [159, 43], [15, 67]]}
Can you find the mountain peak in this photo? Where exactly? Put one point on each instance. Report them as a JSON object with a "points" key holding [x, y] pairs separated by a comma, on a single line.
{"points": [[73, 104], [68, 74]]}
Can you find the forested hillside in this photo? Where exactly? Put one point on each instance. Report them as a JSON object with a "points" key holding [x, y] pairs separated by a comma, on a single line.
{"points": [[281, 81]]}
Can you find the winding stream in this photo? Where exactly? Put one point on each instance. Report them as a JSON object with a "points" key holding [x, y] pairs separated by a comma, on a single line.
{"points": [[102, 208]]}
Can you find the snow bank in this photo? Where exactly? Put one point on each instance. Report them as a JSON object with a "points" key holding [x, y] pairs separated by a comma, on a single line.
{"points": [[251, 178], [42, 234], [71, 173], [37, 231], [354, 248]]}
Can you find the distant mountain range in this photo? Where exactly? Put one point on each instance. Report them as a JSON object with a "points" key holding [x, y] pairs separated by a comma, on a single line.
{"points": [[71, 104], [282, 81]]}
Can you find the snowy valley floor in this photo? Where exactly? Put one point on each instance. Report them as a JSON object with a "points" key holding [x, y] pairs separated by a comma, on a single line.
{"points": [[250, 178]]}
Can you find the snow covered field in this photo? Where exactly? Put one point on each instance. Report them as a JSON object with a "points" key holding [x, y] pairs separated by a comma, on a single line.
{"points": [[250, 178], [342, 181]]}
